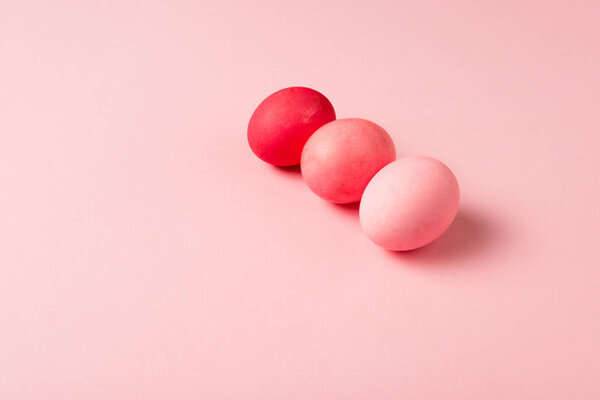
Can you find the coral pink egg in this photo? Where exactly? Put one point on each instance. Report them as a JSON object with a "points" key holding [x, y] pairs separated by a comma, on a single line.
{"points": [[409, 203], [341, 157], [283, 122]]}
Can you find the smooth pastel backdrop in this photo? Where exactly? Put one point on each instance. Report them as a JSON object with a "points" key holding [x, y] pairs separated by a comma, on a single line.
{"points": [[146, 253]]}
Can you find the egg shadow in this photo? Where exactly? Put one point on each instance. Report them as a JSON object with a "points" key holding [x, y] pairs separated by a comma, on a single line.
{"points": [[349, 209], [292, 171], [470, 235]]}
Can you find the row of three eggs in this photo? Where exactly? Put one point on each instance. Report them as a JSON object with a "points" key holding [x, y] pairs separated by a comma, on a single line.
{"points": [[405, 203]]}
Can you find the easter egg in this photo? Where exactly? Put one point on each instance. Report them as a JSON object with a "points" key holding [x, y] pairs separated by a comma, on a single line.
{"points": [[341, 157], [283, 122], [409, 203]]}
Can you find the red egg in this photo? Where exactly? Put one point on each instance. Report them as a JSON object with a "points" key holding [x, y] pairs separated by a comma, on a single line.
{"points": [[342, 156], [283, 122]]}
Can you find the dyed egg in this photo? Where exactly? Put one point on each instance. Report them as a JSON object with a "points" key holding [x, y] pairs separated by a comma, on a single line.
{"points": [[409, 203], [283, 122], [341, 157]]}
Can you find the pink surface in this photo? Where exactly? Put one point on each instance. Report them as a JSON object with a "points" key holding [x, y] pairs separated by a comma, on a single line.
{"points": [[341, 157], [146, 253]]}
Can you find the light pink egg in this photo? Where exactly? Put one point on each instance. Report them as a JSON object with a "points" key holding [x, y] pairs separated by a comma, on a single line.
{"points": [[342, 156], [409, 203]]}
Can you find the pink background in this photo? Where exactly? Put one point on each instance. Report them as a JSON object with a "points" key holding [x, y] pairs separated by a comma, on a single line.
{"points": [[146, 253]]}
